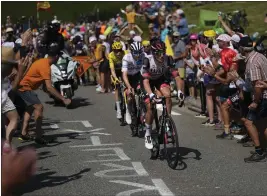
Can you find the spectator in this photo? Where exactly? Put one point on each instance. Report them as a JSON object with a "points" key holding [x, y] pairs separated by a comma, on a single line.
{"points": [[179, 53], [256, 70], [38, 73], [181, 23], [130, 14]]}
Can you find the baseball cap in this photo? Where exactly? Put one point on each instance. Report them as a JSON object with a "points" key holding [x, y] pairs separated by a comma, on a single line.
{"points": [[176, 34], [246, 42], [235, 38], [132, 32], [224, 37], [91, 39], [102, 37], [179, 11], [9, 29]]}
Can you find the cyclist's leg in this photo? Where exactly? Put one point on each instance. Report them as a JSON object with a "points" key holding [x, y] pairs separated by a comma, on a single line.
{"points": [[117, 100], [166, 92]]}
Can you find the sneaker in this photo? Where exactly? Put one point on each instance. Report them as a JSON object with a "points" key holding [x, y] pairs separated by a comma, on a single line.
{"points": [[208, 123], [99, 89], [148, 142], [26, 137], [200, 115], [225, 136], [248, 144], [128, 117], [256, 158], [119, 116], [97, 86]]}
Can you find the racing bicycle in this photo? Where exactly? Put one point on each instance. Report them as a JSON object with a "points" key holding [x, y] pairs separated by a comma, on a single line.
{"points": [[166, 134]]}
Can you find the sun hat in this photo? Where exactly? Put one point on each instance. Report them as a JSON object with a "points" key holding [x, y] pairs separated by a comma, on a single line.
{"points": [[224, 37], [9, 29], [8, 55], [209, 33]]}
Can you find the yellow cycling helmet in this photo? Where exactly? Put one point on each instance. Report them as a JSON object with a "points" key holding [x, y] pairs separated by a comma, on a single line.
{"points": [[146, 43], [116, 46]]}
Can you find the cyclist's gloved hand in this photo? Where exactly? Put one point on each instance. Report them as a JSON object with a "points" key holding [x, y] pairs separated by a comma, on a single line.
{"points": [[152, 96]]}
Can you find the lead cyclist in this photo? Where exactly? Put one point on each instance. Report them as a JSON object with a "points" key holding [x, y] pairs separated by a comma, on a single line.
{"points": [[156, 74]]}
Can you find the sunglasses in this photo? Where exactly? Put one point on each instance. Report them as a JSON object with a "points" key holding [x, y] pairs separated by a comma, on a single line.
{"points": [[136, 53], [159, 52], [117, 50]]}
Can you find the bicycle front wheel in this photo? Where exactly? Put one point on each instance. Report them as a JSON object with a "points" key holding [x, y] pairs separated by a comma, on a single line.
{"points": [[171, 143]]}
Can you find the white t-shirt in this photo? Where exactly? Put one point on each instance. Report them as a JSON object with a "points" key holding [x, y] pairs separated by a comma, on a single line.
{"points": [[132, 66]]}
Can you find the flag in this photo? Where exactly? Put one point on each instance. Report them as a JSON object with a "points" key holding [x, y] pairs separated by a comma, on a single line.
{"points": [[44, 5]]}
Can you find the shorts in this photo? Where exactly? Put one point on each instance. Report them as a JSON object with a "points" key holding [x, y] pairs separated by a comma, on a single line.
{"points": [[181, 72], [260, 112], [8, 106], [104, 67], [159, 83], [243, 104], [134, 80], [190, 80], [29, 97]]}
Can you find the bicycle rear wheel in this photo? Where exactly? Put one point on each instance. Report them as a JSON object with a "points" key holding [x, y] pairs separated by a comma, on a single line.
{"points": [[171, 143]]}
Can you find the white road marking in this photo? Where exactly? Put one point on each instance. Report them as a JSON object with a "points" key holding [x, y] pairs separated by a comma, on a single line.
{"points": [[118, 152], [95, 140], [85, 146], [160, 186], [159, 107], [85, 123], [100, 133], [54, 126], [137, 166], [79, 131]]}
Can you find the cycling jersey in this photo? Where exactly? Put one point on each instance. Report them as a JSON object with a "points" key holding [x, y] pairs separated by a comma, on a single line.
{"points": [[153, 70], [115, 62], [131, 66]]}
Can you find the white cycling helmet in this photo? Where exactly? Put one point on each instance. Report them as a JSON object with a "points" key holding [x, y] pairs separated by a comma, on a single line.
{"points": [[136, 47]]}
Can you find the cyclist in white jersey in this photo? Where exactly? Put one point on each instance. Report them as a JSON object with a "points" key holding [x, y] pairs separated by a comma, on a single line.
{"points": [[131, 66]]}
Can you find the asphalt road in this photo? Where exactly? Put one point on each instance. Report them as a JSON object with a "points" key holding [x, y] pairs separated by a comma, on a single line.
{"points": [[91, 154]]}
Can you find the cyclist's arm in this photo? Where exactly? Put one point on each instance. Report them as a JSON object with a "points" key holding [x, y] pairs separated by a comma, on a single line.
{"points": [[111, 66], [125, 73], [146, 76]]}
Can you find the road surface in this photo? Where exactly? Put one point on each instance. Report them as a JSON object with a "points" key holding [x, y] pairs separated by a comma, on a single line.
{"points": [[91, 154]]}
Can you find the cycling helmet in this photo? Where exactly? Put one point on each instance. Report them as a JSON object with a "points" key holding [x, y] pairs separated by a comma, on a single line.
{"points": [[158, 45], [136, 47], [146, 43], [193, 36], [116, 46]]}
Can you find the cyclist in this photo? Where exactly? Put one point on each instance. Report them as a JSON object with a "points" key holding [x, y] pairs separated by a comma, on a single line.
{"points": [[156, 75], [115, 64], [131, 67]]}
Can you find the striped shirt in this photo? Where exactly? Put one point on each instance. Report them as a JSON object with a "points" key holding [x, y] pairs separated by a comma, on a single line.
{"points": [[256, 68]]}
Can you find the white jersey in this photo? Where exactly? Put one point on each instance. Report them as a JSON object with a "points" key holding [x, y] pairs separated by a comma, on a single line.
{"points": [[130, 65]]}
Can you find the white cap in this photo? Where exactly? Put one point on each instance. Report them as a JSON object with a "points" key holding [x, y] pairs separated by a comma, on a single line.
{"points": [[179, 11], [235, 38], [102, 37], [224, 37], [137, 38], [92, 38], [9, 29], [132, 32], [55, 21]]}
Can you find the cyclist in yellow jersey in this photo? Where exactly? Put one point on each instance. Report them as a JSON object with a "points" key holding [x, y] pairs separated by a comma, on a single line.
{"points": [[115, 64]]}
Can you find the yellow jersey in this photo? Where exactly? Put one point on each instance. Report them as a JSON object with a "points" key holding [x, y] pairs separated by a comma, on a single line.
{"points": [[115, 62], [131, 17]]}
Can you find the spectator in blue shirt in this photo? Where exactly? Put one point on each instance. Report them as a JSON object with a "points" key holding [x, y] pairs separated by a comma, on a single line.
{"points": [[181, 23]]}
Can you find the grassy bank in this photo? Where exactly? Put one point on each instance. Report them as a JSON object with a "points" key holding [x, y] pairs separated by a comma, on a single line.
{"points": [[69, 11]]}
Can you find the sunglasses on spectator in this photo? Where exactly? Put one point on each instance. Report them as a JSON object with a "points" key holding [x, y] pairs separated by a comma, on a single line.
{"points": [[159, 52]]}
